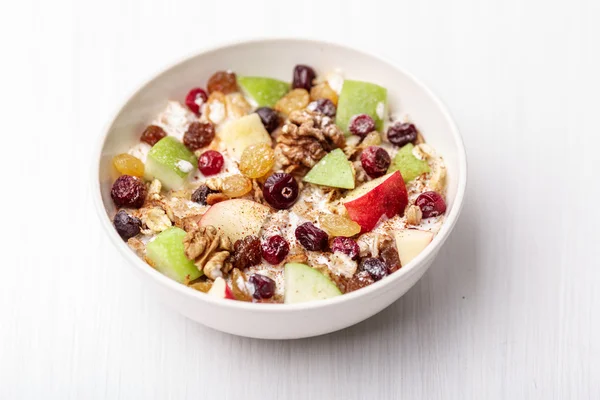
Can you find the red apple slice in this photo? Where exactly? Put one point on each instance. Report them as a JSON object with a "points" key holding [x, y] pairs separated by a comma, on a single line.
{"points": [[220, 289], [382, 196], [236, 218], [410, 243]]}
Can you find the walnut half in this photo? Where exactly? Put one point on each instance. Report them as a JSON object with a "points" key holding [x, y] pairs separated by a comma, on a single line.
{"points": [[305, 138], [210, 251]]}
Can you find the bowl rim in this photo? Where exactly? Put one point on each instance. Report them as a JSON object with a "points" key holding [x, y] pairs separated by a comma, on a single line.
{"points": [[186, 291]]}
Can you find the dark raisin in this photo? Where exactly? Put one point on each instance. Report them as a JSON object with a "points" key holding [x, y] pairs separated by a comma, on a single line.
{"points": [[222, 81], [198, 135], [199, 196], [152, 134], [269, 118], [247, 252], [376, 268], [402, 133], [303, 77], [389, 256], [128, 191], [360, 280], [311, 237], [264, 287], [126, 225]]}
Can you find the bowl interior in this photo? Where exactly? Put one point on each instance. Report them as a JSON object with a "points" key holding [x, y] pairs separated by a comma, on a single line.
{"points": [[276, 58]]}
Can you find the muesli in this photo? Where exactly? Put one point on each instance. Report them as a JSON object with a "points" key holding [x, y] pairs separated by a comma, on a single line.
{"points": [[257, 190]]}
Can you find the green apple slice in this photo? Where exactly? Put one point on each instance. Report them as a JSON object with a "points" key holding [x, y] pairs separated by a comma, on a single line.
{"points": [[409, 166], [303, 283], [359, 97], [265, 91], [243, 132], [334, 170], [170, 162], [167, 254]]}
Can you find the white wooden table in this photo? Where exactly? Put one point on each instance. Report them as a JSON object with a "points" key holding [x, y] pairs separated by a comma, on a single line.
{"points": [[509, 311]]}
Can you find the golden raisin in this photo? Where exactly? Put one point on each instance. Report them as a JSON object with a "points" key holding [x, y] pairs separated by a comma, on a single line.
{"points": [[222, 81], [236, 105], [297, 99], [257, 160], [337, 225], [323, 91], [372, 139], [236, 186], [127, 164]]}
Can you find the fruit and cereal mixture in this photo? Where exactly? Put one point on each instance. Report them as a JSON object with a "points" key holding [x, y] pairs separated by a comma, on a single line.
{"points": [[258, 190]]}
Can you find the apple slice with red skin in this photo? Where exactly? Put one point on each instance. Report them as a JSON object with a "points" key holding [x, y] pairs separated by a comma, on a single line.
{"points": [[220, 289], [411, 242], [236, 218], [382, 196]]}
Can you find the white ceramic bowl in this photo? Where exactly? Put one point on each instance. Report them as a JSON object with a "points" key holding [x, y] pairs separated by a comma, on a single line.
{"points": [[276, 58]]}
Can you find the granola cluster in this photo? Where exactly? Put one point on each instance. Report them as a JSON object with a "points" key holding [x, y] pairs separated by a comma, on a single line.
{"points": [[413, 215]]}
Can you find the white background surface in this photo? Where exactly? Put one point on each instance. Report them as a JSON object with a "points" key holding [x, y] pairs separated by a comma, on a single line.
{"points": [[508, 311]]}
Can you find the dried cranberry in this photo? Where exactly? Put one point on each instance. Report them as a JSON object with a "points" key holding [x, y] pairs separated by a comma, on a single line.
{"points": [[432, 204], [376, 268], [324, 106], [247, 252], [361, 125], [303, 77], [222, 81], [347, 246], [375, 161], [269, 118], [275, 249], [152, 134], [126, 225], [389, 256], [264, 287], [199, 196], [280, 190], [210, 162], [195, 98], [198, 135], [402, 133], [128, 191], [311, 237]]}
